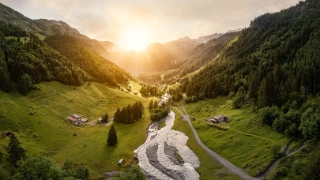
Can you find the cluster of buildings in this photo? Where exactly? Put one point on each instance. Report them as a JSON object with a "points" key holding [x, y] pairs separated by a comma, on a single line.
{"points": [[78, 120]]}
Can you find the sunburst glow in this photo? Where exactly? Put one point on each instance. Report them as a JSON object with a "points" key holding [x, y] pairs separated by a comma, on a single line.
{"points": [[135, 40]]}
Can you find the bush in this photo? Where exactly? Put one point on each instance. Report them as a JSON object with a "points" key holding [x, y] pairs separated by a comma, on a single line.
{"points": [[268, 114]]}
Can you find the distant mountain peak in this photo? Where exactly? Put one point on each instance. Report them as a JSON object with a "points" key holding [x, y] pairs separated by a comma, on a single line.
{"points": [[186, 38]]}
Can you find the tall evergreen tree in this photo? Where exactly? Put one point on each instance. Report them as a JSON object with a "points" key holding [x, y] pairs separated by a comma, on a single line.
{"points": [[151, 104], [15, 151], [263, 99], [24, 84], [112, 137]]}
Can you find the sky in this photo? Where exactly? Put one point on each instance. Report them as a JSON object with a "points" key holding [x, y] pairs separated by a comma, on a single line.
{"points": [[124, 21]]}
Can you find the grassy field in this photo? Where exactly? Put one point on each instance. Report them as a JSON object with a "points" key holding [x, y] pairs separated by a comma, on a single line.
{"points": [[209, 167], [246, 143], [43, 113]]}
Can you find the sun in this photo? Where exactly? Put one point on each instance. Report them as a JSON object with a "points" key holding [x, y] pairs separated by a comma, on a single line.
{"points": [[135, 40]]}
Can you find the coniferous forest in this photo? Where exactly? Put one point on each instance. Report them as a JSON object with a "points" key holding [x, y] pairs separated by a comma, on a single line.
{"points": [[263, 78], [273, 65], [26, 60], [129, 114]]}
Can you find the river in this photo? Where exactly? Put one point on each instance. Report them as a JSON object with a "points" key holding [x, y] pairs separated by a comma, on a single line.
{"points": [[158, 157]]}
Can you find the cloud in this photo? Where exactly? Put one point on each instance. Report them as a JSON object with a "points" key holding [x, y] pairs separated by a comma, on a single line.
{"points": [[164, 20]]}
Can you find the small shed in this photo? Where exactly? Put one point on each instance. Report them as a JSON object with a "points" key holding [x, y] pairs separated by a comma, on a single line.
{"points": [[219, 118], [120, 162], [77, 116], [84, 120]]}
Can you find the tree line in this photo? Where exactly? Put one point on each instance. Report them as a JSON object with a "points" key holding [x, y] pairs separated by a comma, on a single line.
{"points": [[150, 90], [157, 112], [129, 114]]}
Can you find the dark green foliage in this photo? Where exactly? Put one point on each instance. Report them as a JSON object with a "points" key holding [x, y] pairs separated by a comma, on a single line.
{"points": [[82, 172], [112, 137], [1, 156], [37, 167], [149, 90], [273, 58], [73, 170], [268, 114], [4, 174], [5, 80], [134, 173], [24, 84], [15, 151], [129, 114], [313, 167], [159, 113], [273, 63], [99, 68], [151, 104], [23, 53], [310, 123], [175, 94], [28, 55], [42, 168], [105, 118]]}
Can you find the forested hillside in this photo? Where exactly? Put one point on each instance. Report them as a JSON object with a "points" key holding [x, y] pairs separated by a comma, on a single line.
{"points": [[26, 60], [99, 68], [275, 62]]}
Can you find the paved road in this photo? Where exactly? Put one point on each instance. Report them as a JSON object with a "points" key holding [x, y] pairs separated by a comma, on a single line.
{"points": [[223, 161], [226, 163]]}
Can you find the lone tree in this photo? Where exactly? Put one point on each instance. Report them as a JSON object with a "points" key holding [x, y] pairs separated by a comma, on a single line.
{"points": [[112, 137], [105, 118], [15, 151]]}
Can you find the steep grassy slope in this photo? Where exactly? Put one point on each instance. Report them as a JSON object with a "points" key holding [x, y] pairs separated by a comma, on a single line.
{"points": [[43, 113], [245, 144], [210, 168]]}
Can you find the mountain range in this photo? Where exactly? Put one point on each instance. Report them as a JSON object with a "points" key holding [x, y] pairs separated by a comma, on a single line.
{"points": [[269, 70]]}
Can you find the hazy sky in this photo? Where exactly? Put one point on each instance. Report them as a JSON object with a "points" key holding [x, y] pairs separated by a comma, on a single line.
{"points": [[157, 20]]}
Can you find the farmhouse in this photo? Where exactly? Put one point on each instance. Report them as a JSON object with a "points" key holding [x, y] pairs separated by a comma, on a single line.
{"points": [[218, 119], [77, 119]]}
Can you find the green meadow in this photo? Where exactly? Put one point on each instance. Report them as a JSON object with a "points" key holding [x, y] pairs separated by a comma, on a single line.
{"points": [[39, 121], [209, 168], [247, 144]]}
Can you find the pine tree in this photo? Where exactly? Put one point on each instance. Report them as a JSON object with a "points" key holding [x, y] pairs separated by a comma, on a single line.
{"points": [[155, 105], [15, 151], [263, 99], [151, 104], [117, 116], [112, 137], [24, 84]]}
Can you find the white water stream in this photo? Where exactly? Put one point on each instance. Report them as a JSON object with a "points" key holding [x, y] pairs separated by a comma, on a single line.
{"points": [[166, 168]]}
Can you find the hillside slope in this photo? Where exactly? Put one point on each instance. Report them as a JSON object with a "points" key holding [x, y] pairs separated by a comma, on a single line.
{"points": [[39, 121], [270, 70], [44, 28], [65, 55]]}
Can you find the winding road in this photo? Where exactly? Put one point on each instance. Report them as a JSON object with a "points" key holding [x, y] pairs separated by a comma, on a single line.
{"points": [[223, 161], [226, 163]]}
